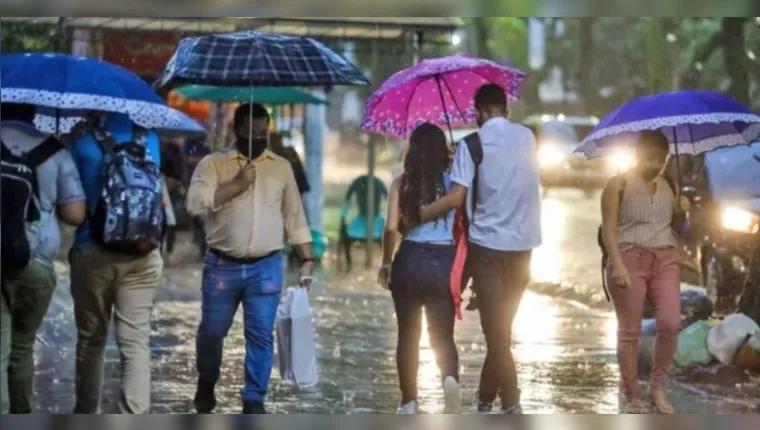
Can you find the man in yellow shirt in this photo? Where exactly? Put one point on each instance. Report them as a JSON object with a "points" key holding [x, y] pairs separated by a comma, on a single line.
{"points": [[247, 196]]}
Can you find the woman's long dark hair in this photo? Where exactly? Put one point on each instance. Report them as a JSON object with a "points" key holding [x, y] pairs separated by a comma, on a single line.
{"points": [[424, 165]]}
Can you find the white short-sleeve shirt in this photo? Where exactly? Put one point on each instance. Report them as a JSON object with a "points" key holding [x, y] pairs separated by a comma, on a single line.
{"points": [[508, 212]]}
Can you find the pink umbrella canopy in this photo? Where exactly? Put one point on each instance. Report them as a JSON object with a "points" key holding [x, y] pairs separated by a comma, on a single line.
{"points": [[439, 91]]}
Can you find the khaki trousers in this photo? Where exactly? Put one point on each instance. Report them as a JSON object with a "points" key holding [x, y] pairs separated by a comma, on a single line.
{"points": [[104, 284]]}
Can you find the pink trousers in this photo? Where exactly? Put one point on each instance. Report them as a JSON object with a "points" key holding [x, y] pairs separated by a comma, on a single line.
{"points": [[655, 277]]}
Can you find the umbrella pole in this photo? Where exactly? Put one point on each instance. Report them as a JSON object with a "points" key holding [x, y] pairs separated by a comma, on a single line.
{"points": [[250, 122], [443, 103], [678, 159]]}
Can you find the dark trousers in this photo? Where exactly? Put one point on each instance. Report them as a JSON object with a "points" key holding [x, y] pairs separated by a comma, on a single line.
{"points": [[420, 279], [499, 280]]}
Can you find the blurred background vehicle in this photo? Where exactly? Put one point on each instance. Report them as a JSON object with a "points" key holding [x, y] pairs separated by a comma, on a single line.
{"points": [[724, 221], [557, 137]]}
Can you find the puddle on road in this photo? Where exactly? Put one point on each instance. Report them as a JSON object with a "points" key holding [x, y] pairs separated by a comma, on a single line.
{"points": [[564, 352]]}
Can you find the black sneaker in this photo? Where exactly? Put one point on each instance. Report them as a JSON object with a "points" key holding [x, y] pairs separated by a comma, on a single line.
{"points": [[485, 408], [205, 400], [254, 408]]}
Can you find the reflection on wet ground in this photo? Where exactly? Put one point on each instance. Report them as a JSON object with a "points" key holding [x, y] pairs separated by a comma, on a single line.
{"points": [[565, 349]]}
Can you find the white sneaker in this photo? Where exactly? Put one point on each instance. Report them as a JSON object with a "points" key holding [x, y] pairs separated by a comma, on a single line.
{"points": [[452, 396], [408, 409]]}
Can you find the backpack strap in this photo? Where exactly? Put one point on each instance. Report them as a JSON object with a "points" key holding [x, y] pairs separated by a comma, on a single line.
{"points": [[622, 184], [104, 139], [5, 153], [139, 135], [475, 147], [672, 184], [42, 152]]}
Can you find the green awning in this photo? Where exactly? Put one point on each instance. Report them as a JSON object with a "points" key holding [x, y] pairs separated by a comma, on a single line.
{"points": [[264, 95]]}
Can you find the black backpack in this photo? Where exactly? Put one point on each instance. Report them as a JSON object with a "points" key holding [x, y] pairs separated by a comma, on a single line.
{"points": [[20, 201], [600, 234], [475, 147]]}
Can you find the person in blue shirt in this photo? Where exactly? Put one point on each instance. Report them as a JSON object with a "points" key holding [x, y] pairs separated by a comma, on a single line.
{"points": [[420, 273], [105, 284]]}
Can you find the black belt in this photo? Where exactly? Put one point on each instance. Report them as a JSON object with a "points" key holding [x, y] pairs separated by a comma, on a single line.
{"points": [[239, 260]]}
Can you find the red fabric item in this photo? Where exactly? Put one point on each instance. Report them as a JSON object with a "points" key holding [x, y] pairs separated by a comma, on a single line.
{"points": [[457, 269]]}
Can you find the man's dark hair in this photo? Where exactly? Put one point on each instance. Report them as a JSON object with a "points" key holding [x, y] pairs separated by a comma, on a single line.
{"points": [[491, 97], [17, 112], [246, 110], [654, 139]]}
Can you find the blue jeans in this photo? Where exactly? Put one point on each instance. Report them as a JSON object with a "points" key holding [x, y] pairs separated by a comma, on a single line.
{"points": [[225, 285]]}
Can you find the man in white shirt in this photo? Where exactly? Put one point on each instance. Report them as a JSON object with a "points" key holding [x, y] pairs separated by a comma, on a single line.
{"points": [[504, 229]]}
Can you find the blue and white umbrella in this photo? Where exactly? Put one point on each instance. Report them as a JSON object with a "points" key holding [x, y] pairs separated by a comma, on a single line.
{"points": [[693, 122], [67, 82], [52, 121]]}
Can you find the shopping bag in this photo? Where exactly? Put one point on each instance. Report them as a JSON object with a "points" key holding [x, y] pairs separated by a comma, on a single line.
{"points": [[296, 341]]}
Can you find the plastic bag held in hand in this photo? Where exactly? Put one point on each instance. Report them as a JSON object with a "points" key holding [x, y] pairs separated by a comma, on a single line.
{"points": [[296, 343]]}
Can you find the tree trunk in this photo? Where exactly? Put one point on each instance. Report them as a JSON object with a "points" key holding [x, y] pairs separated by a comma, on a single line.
{"points": [[658, 55], [734, 58], [690, 76], [586, 64], [480, 29]]}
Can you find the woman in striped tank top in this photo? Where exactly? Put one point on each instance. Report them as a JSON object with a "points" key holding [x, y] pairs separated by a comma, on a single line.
{"points": [[638, 208]]}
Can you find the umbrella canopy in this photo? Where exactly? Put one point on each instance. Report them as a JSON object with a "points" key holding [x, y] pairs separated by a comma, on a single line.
{"points": [[693, 121], [439, 90], [254, 58], [266, 95], [52, 121], [62, 81]]}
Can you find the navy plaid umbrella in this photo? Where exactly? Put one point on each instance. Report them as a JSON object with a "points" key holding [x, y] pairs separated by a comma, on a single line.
{"points": [[254, 58]]}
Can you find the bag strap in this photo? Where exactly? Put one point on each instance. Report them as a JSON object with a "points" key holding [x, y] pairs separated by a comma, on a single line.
{"points": [[672, 185], [622, 184], [104, 140], [475, 147], [5, 153], [42, 152]]}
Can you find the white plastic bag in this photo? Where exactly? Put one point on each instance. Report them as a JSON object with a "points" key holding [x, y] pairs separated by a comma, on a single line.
{"points": [[724, 339], [296, 343]]}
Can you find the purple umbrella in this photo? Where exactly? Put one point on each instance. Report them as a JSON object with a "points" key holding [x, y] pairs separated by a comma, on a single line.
{"points": [[693, 121]]}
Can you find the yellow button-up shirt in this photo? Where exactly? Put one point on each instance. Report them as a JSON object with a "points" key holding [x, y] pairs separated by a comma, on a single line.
{"points": [[255, 222]]}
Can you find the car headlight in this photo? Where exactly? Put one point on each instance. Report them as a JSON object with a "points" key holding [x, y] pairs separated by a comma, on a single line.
{"points": [[740, 220], [550, 155], [621, 161]]}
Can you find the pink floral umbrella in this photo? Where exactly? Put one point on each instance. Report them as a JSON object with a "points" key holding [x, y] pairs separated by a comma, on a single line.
{"points": [[439, 90]]}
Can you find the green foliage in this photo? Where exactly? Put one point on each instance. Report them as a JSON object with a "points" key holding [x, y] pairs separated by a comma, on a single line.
{"points": [[625, 58], [27, 37]]}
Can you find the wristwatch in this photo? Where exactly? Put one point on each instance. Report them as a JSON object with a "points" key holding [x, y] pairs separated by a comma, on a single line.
{"points": [[307, 260]]}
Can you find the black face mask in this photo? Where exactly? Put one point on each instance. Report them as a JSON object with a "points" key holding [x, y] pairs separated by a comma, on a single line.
{"points": [[253, 149]]}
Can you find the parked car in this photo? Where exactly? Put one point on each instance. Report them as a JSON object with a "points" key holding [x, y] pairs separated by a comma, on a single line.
{"points": [[557, 137], [724, 221]]}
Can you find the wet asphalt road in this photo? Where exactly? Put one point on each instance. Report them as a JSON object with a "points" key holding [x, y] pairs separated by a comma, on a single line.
{"points": [[565, 349]]}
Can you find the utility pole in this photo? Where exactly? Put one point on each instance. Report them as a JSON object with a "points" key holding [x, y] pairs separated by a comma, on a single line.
{"points": [[371, 144]]}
